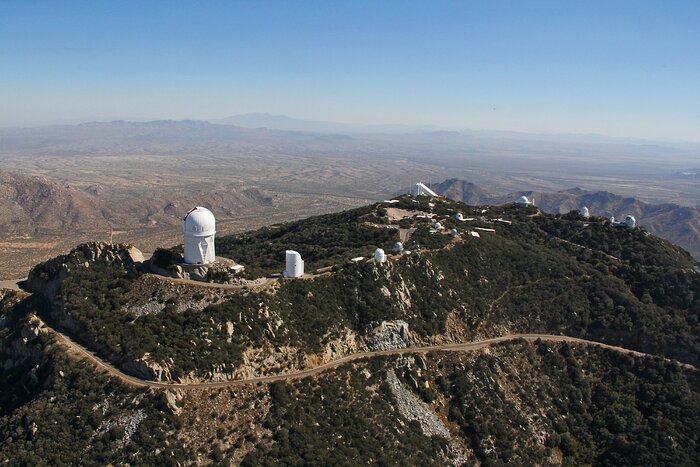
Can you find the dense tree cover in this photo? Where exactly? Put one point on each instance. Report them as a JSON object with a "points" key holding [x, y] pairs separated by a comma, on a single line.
{"points": [[322, 241], [522, 403], [56, 411], [541, 273], [345, 418], [595, 406]]}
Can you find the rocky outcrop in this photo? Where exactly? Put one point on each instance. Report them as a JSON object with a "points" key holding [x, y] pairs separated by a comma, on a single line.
{"points": [[414, 409], [389, 335], [46, 278], [171, 400], [146, 368]]}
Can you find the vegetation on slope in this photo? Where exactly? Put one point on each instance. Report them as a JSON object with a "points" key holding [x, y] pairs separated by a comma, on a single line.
{"points": [[321, 241], [522, 403], [538, 273], [57, 411]]}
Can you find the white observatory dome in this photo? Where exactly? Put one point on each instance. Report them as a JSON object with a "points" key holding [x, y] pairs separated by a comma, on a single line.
{"points": [[583, 212], [294, 264], [437, 226], [523, 201], [379, 255], [460, 216], [630, 222], [199, 228], [454, 232], [398, 247]]}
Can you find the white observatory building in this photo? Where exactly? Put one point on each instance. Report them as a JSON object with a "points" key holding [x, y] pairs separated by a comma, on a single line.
{"points": [[398, 248], [421, 189], [523, 201], [459, 216], [294, 265], [584, 212], [199, 228], [379, 255], [630, 222]]}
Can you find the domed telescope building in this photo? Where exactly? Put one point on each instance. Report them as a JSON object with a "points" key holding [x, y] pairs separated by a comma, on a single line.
{"points": [[199, 228], [379, 255], [584, 212], [524, 201], [294, 264]]}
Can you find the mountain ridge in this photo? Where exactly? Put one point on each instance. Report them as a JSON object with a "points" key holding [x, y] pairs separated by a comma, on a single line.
{"points": [[678, 224]]}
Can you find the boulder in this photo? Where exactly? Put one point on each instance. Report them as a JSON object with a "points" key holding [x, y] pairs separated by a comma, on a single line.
{"points": [[389, 335]]}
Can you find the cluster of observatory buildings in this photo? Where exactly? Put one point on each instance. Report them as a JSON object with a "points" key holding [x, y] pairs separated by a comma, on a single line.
{"points": [[199, 229], [629, 222]]}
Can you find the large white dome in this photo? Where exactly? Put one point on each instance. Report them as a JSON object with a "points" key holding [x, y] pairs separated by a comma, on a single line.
{"points": [[199, 222]]}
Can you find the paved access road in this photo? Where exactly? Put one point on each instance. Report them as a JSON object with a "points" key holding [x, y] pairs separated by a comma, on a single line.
{"points": [[466, 347]]}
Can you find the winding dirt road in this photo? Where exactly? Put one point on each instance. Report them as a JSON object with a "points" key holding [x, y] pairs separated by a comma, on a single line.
{"points": [[466, 347]]}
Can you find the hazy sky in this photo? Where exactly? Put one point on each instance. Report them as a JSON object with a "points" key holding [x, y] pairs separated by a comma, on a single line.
{"points": [[627, 68]]}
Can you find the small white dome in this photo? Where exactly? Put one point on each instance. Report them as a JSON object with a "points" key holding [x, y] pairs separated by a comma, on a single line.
{"points": [[583, 212], [630, 221], [398, 247], [523, 201], [437, 226], [379, 255], [454, 232], [460, 216], [199, 222]]}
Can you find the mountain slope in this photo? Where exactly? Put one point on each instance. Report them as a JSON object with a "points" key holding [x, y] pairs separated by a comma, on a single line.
{"points": [[520, 402], [36, 204], [537, 403], [526, 272], [677, 224]]}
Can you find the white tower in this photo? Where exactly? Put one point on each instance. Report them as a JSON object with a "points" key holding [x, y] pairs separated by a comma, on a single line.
{"points": [[379, 255], [199, 228], [295, 265], [583, 212], [630, 222]]}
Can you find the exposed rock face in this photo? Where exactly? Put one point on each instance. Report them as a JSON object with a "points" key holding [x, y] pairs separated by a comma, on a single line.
{"points": [[411, 407], [344, 345], [389, 335], [145, 368], [171, 403]]}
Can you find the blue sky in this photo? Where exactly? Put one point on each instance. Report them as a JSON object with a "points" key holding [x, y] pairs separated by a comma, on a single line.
{"points": [[623, 68]]}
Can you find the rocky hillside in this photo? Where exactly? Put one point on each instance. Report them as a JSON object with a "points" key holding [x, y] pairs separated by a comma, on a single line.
{"points": [[37, 205], [525, 403], [677, 224], [506, 270]]}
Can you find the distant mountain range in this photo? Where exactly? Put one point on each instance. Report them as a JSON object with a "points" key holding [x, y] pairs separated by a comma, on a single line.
{"points": [[30, 205], [285, 123], [678, 224]]}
